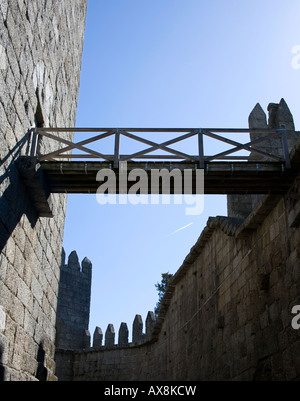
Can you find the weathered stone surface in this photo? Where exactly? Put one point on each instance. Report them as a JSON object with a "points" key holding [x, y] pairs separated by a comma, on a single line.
{"points": [[221, 277], [285, 118], [98, 338], [257, 118], [73, 261], [137, 329], [228, 316], [123, 334], [34, 180], [110, 336], [150, 322], [73, 303], [86, 266], [86, 339], [241, 206], [39, 84], [2, 319]]}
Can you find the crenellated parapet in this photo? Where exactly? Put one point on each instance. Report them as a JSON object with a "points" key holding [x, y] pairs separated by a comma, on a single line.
{"points": [[109, 339], [73, 307], [279, 116]]}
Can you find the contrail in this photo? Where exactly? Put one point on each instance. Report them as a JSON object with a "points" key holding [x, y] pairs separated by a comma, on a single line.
{"points": [[180, 229]]}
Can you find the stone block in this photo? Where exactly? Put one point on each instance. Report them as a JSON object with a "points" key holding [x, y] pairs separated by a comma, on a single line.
{"points": [[137, 329], [123, 334], [30, 270], [86, 339], [110, 336], [98, 338], [73, 261], [150, 322], [2, 319]]}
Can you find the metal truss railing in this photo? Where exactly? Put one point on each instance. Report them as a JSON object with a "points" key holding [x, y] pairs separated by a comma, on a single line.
{"points": [[180, 135]]}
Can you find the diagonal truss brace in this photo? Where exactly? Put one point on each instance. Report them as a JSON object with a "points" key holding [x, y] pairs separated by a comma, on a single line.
{"points": [[239, 146], [77, 145], [155, 146]]}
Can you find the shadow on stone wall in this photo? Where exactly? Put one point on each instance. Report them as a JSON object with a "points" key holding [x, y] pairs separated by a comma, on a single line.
{"points": [[41, 373], [2, 369], [15, 201]]}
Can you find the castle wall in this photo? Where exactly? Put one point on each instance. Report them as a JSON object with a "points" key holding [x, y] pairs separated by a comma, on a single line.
{"points": [[41, 45], [227, 314], [279, 115], [73, 305]]}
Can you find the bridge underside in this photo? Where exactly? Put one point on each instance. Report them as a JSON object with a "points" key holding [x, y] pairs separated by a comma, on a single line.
{"points": [[73, 177], [219, 177]]}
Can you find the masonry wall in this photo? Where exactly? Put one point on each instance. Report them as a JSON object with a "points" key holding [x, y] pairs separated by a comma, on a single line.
{"points": [[227, 313], [41, 45], [73, 305], [279, 116]]}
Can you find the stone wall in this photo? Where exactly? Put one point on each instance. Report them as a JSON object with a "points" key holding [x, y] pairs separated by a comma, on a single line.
{"points": [[41, 45], [279, 115], [227, 312], [108, 345], [73, 305]]}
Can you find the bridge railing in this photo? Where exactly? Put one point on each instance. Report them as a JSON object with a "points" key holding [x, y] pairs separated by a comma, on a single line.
{"points": [[180, 135]]}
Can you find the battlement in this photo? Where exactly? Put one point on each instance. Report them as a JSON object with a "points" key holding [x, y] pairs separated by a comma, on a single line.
{"points": [[73, 311], [279, 115], [228, 306], [74, 297], [73, 266], [224, 313], [138, 337]]}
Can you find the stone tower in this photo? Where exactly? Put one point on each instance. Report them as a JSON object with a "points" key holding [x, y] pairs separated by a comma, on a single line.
{"points": [[41, 45], [241, 206], [73, 306]]}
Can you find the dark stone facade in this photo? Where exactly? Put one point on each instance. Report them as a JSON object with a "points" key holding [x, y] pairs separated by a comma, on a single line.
{"points": [[40, 62]]}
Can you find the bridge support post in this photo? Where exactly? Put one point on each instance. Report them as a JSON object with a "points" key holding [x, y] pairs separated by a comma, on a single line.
{"points": [[35, 182], [117, 149], [201, 149]]}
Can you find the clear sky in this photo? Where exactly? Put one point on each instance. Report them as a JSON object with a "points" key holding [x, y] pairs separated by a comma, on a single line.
{"points": [[169, 63]]}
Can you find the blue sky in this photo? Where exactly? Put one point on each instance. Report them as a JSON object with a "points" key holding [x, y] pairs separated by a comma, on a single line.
{"points": [[169, 63]]}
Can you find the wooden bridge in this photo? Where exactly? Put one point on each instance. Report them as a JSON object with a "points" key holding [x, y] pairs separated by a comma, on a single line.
{"points": [[240, 168]]}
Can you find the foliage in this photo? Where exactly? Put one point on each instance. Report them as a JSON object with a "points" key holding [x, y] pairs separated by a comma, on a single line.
{"points": [[161, 288]]}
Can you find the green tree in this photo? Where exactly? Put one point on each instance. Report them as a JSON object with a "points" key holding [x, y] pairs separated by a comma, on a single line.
{"points": [[161, 288]]}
